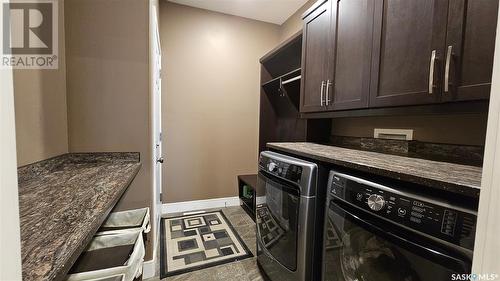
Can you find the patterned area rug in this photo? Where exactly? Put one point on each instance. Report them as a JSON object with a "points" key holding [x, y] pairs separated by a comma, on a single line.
{"points": [[198, 241]]}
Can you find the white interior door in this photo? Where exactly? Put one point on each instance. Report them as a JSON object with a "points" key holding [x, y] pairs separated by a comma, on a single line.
{"points": [[10, 237], [158, 157], [156, 132]]}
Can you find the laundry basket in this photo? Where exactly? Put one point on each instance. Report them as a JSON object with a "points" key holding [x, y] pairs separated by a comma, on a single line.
{"points": [[113, 257], [131, 220]]}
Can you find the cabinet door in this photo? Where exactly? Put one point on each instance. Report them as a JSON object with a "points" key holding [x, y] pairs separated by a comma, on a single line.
{"points": [[470, 45], [351, 85], [406, 35], [315, 58]]}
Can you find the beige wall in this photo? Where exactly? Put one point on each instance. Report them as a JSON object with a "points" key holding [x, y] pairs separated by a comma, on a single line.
{"points": [[469, 129], [108, 84], [294, 22], [40, 104], [211, 76]]}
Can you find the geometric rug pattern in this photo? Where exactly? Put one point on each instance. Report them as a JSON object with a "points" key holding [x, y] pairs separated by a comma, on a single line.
{"points": [[198, 241], [270, 230], [332, 238]]}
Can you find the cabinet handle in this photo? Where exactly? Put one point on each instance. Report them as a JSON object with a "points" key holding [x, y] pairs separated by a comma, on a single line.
{"points": [[321, 92], [447, 69], [431, 71], [327, 98]]}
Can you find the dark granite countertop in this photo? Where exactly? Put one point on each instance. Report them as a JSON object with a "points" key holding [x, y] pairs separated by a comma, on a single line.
{"points": [[460, 179], [62, 203]]}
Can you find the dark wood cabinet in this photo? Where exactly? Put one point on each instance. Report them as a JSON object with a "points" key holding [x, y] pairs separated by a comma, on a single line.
{"points": [[280, 119], [408, 49], [317, 44], [336, 55], [428, 52], [352, 59], [470, 44], [385, 53]]}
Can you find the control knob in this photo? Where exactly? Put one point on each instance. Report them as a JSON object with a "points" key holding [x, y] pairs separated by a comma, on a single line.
{"points": [[273, 167], [376, 202]]}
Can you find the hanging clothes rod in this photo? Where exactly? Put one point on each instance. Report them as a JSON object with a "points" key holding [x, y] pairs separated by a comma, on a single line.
{"points": [[291, 80]]}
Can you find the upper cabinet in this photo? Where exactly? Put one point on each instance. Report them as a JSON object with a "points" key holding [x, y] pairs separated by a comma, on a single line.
{"points": [[407, 48], [317, 43], [351, 67], [384, 53], [470, 44], [336, 55]]}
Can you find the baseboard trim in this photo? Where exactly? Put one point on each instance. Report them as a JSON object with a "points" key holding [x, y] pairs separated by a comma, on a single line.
{"points": [[148, 269], [200, 204]]}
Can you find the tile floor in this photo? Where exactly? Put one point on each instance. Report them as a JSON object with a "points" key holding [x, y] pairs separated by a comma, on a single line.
{"points": [[244, 270]]}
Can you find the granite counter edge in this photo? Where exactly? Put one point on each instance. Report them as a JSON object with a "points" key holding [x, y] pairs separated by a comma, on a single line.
{"points": [[61, 273], [469, 191]]}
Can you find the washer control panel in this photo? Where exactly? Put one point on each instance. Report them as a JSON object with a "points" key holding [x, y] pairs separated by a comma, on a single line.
{"points": [[427, 215], [281, 169]]}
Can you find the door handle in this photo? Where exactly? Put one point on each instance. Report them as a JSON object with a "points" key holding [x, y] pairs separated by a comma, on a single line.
{"points": [[431, 71], [447, 69], [327, 98], [321, 92], [160, 160]]}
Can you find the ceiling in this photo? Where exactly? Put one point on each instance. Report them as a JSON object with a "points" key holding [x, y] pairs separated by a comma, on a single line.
{"points": [[272, 11]]}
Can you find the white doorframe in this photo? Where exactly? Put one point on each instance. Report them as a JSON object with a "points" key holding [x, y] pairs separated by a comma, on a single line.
{"points": [[487, 244], [10, 234], [156, 151]]}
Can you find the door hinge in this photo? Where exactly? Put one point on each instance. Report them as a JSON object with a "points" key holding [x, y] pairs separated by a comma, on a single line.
{"points": [[161, 197]]}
